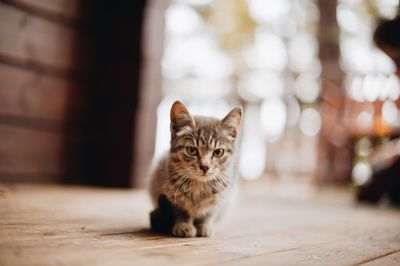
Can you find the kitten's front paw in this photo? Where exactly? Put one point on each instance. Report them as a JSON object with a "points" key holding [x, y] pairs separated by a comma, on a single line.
{"points": [[204, 230], [184, 230]]}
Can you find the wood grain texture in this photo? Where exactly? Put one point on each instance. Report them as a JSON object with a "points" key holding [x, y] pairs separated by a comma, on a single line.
{"points": [[47, 225], [392, 258], [41, 83], [25, 152], [56, 8], [31, 40], [34, 95]]}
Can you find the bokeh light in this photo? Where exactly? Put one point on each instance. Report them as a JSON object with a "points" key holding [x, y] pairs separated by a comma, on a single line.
{"points": [[389, 112], [307, 88], [364, 121], [268, 51], [265, 53], [260, 85], [254, 151], [273, 118], [181, 19], [361, 173], [268, 11], [252, 161], [310, 122], [302, 50]]}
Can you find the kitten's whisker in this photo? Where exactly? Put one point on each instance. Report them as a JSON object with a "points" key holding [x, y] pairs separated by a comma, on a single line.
{"points": [[182, 171], [226, 181], [221, 184], [221, 180], [222, 174], [215, 183], [220, 187], [181, 181], [224, 178]]}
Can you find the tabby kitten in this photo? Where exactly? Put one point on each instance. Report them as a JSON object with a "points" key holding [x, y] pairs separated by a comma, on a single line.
{"points": [[194, 183]]}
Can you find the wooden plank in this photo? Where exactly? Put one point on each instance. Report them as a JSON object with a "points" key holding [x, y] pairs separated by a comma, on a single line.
{"points": [[102, 227], [34, 95], [341, 251], [58, 8], [25, 151], [393, 258], [28, 39]]}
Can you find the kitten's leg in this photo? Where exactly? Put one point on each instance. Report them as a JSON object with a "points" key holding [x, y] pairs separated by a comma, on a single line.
{"points": [[183, 225], [162, 218], [204, 227]]}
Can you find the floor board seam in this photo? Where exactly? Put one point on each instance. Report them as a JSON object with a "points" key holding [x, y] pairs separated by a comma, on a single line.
{"points": [[376, 258]]}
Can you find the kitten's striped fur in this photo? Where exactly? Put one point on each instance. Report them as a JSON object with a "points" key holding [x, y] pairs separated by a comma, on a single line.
{"points": [[193, 183]]}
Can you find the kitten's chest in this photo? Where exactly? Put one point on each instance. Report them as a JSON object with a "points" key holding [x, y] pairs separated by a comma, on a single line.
{"points": [[197, 200]]}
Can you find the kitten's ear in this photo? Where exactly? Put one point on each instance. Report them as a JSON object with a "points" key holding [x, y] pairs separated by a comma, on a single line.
{"points": [[180, 117], [231, 121]]}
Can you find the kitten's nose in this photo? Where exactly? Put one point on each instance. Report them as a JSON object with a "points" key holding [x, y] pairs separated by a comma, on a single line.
{"points": [[204, 168]]}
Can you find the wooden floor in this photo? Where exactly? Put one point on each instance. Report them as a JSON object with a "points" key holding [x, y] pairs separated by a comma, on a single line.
{"points": [[54, 225]]}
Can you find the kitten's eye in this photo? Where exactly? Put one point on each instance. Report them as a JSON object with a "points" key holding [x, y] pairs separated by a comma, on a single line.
{"points": [[191, 150], [218, 153]]}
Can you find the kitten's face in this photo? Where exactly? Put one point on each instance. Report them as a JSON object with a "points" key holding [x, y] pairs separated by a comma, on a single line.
{"points": [[202, 147]]}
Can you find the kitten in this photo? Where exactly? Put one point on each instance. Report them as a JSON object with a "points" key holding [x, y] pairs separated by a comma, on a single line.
{"points": [[193, 184]]}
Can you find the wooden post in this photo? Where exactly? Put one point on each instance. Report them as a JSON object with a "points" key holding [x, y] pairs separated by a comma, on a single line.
{"points": [[150, 91]]}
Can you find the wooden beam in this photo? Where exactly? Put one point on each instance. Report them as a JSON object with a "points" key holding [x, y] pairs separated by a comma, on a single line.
{"points": [[36, 96], [26, 39], [31, 152]]}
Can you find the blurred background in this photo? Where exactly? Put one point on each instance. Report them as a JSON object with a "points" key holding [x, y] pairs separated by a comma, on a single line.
{"points": [[86, 88]]}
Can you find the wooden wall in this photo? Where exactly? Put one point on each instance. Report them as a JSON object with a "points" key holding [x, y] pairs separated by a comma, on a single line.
{"points": [[39, 87], [69, 77]]}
